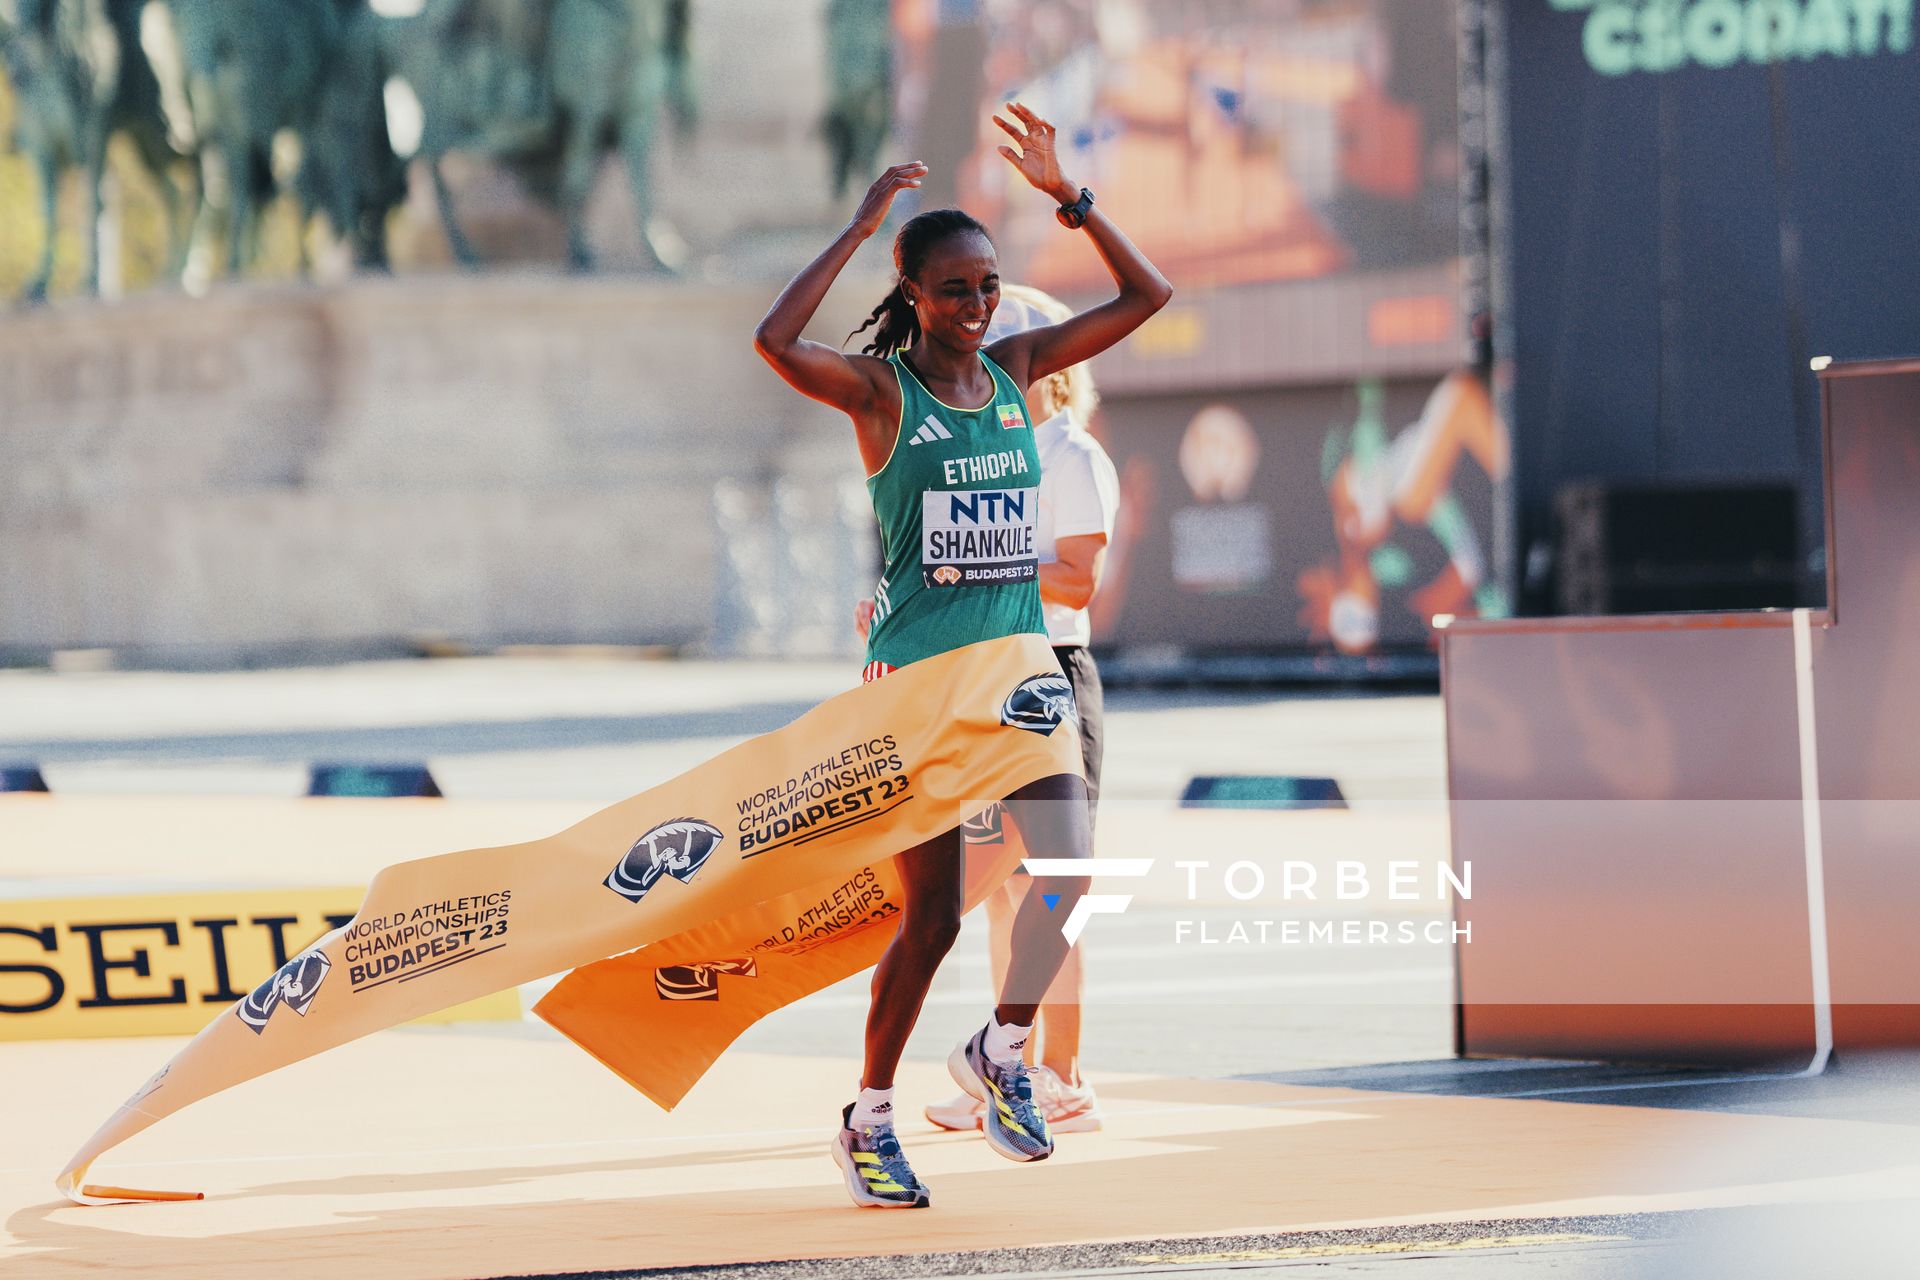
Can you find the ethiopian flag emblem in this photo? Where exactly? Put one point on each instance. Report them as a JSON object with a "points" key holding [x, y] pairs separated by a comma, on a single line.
{"points": [[1011, 419]]}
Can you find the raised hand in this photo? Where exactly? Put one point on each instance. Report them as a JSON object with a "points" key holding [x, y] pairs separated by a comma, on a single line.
{"points": [[1036, 159], [879, 198]]}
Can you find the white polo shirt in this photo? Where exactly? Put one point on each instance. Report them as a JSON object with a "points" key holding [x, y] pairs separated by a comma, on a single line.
{"points": [[1079, 494]]}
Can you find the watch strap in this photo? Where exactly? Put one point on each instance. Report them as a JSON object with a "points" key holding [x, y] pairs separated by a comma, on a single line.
{"points": [[1074, 216]]}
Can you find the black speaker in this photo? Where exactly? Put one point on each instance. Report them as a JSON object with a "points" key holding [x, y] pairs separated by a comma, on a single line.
{"points": [[1674, 548]]}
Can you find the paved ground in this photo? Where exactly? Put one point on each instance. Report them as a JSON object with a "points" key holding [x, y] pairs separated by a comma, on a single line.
{"points": [[1311, 1019], [1728, 1244], [420, 1154]]}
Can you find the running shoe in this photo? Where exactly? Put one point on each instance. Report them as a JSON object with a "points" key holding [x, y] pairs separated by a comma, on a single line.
{"points": [[1013, 1126], [877, 1173], [1069, 1108], [963, 1112]]}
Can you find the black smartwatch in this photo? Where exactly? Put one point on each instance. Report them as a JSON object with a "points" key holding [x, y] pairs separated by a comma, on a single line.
{"points": [[1074, 216]]}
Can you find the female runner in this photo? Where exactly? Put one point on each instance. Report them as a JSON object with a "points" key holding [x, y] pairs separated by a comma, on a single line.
{"points": [[934, 412]]}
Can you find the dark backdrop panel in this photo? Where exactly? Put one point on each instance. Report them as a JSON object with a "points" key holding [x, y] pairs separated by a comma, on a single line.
{"points": [[1681, 242]]}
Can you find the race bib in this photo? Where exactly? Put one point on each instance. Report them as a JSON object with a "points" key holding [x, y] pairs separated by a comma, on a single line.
{"points": [[978, 538]]}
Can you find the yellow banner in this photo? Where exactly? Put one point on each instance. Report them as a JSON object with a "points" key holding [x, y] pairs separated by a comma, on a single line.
{"points": [[724, 855], [164, 964], [659, 1016]]}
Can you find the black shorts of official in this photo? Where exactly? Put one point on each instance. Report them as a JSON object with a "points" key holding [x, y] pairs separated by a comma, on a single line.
{"points": [[1084, 676]]}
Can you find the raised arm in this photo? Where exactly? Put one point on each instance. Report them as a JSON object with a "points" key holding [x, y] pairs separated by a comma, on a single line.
{"points": [[1036, 353], [848, 383]]}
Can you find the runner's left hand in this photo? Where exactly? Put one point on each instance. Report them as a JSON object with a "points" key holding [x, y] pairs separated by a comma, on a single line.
{"points": [[1035, 159]]}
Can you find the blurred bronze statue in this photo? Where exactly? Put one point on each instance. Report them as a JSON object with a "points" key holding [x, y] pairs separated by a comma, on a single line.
{"points": [[79, 77], [859, 86], [249, 73], [252, 68], [544, 88], [273, 95], [348, 170]]}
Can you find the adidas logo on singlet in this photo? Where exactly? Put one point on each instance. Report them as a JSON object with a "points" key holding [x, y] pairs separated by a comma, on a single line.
{"points": [[929, 431]]}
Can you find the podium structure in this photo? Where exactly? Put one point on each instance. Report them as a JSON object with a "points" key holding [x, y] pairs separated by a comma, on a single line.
{"points": [[1695, 838]]}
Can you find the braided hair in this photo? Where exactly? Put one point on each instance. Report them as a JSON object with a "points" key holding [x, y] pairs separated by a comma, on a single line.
{"points": [[898, 325]]}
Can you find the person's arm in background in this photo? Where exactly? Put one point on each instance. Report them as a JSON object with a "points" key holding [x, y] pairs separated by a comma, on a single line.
{"points": [[1074, 575], [1085, 496]]}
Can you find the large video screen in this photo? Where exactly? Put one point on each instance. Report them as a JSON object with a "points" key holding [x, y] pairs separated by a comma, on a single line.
{"points": [[1237, 141]]}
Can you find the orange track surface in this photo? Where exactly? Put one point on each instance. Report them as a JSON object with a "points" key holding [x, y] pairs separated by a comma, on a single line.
{"points": [[451, 1153], [494, 1150]]}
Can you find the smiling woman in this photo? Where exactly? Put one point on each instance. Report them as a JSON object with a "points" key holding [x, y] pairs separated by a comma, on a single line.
{"points": [[944, 430]]}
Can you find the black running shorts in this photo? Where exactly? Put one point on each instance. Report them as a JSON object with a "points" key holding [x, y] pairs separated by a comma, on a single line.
{"points": [[1084, 676]]}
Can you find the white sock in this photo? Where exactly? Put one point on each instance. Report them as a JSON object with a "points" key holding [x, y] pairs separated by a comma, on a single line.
{"points": [[873, 1106], [1005, 1041]]}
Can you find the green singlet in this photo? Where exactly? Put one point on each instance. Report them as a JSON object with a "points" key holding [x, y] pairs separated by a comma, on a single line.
{"points": [[957, 501]]}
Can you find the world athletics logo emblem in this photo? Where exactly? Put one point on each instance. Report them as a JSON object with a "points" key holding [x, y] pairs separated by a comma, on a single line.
{"points": [[699, 981], [294, 984], [1040, 704], [677, 848], [987, 826]]}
